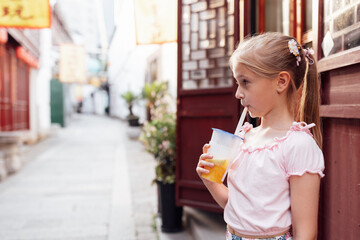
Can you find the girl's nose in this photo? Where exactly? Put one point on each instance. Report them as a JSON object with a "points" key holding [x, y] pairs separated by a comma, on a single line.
{"points": [[239, 94]]}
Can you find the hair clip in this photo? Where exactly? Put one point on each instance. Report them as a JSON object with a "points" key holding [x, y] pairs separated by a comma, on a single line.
{"points": [[307, 53], [294, 49]]}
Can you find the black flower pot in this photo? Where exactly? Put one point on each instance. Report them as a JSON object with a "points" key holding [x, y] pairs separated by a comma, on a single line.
{"points": [[171, 215], [133, 121]]}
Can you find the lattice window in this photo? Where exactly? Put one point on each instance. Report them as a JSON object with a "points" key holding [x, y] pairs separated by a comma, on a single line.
{"points": [[207, 42]]}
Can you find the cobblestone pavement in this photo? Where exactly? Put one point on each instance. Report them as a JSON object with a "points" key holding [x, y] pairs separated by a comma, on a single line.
{"points": [[86, 181]]}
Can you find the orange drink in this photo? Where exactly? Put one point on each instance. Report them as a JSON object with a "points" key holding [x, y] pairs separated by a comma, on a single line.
{"points": [[223, 149], [216, 173]]}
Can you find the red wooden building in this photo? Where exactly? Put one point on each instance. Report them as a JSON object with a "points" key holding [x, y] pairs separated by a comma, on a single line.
{"points": [[16, 62], [208, 31]]}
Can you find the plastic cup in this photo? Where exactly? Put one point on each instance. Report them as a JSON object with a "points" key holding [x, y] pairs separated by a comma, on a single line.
{"points": [[223, 148]]}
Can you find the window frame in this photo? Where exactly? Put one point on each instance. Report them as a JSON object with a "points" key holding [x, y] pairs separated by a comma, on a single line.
{"points": [[336, 60]]}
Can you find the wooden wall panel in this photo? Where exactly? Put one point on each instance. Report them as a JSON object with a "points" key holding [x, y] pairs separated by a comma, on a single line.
{"points": [[199, 132], [342, 86], [339, 214], [200, 105], [14, 85], [2, 59], [340, 190], [5, 98]]}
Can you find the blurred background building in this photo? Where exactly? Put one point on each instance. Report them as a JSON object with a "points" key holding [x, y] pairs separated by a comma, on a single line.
{"points": [[82, 63], [131, 65]]}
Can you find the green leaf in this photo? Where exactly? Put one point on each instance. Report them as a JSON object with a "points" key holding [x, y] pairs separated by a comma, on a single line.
{"points": [[129, 97]]}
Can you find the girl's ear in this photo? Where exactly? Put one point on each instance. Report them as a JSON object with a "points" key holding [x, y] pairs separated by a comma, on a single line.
{"points": [[283, 81]]}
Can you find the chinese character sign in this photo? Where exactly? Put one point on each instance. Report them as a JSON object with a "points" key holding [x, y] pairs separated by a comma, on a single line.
{"points": [[72, 67], [155, 21], [25, 13]]}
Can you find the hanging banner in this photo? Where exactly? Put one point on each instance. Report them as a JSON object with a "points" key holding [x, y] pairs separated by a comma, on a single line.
{"points": [[155, 21], [25, 13], [72, 67]]}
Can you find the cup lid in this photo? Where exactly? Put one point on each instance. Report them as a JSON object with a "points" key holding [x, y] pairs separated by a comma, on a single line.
{"points": [[225, 132], [225, 138]]}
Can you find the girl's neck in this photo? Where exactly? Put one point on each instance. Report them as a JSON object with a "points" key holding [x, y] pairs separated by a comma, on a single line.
{"points": [[280, 119]]}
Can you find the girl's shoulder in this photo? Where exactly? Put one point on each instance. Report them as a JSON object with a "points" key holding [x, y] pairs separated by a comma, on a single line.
{"points": [[300, 135]]}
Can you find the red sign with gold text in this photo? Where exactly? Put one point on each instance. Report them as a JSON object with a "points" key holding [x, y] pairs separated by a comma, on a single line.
{"points": [[25, 13]]}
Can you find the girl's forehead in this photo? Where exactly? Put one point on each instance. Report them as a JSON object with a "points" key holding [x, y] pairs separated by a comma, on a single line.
{"points": [[240, 70]]}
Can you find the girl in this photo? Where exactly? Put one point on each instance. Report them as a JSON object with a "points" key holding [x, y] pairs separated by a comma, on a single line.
{"points": [[274, 181]]}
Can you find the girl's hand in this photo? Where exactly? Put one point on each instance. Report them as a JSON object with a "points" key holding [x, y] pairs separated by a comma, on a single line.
{"points": [[200, 169], [217, 190]]}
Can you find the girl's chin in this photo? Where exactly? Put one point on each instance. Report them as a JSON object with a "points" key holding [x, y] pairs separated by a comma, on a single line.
{"points": [[252, 114]]}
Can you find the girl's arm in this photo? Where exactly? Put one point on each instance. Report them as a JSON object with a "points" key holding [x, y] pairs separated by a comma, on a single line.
{"points": [[304, 194], [218, 190]]}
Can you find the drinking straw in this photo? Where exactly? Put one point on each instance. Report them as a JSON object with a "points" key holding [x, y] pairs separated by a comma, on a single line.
{"points": [[240, 123]]}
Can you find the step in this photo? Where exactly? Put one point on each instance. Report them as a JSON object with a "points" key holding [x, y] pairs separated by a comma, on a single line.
{"points": [[205, 225], [183, 235]]}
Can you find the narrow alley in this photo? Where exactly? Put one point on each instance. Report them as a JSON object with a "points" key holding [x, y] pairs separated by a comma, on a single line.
{"points": [[83, 182]]}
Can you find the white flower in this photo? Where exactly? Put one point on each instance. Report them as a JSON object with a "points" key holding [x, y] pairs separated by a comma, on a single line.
{"points": [[293, 47], [166, 144]]}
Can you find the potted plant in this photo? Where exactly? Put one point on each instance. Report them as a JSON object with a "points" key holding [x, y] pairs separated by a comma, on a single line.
{"points": [[158, 136], [152, 92], [130, 99]]}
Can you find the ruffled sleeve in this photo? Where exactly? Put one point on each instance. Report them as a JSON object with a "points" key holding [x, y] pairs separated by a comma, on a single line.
{"points": [[302, 155]]}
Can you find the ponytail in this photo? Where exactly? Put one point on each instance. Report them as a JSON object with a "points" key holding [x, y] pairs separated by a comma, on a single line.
{"points": [[308, 110]]}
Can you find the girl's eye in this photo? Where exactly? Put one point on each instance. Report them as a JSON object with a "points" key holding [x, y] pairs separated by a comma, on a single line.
{"points": [[244, 82]]}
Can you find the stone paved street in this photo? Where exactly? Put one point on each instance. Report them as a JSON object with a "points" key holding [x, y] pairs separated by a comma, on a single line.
{"points": [[86, 181]]}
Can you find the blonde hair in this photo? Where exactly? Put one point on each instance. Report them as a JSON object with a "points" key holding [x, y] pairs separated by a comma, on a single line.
{"points": [[267, 55]]}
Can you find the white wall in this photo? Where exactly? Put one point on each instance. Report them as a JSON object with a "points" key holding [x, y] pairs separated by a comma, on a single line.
{"points": [[42, 83], [127, 68], [168, 67], [33, 118], [129, 63]]}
